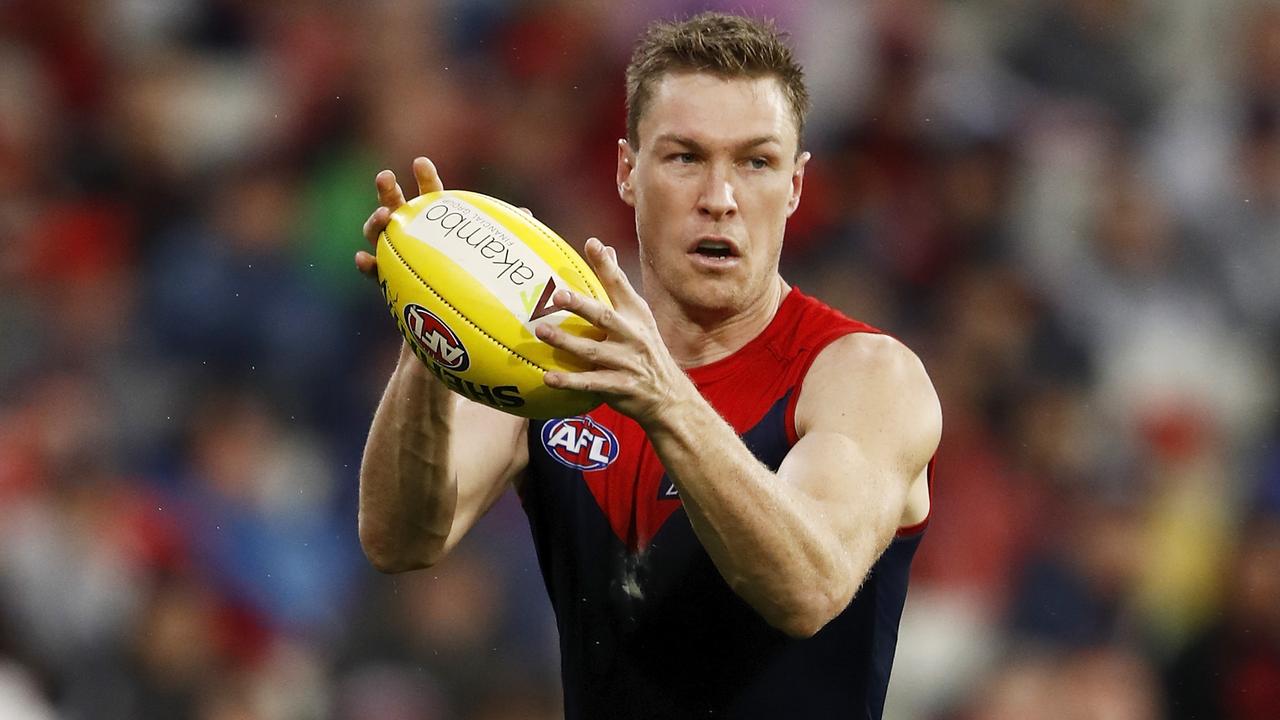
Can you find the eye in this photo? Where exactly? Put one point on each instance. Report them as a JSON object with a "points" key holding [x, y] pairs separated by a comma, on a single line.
{"points": [[758, 163], [686, 158]]}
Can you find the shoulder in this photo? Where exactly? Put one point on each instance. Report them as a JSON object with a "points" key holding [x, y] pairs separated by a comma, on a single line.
{"points": [[872, 354], [868, 382]]}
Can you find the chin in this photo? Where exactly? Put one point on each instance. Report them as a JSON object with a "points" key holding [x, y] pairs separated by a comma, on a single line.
{"points": [[711, 296]]}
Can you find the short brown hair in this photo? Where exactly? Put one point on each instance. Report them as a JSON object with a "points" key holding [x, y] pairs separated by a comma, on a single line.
{"points": [[730, 46]]}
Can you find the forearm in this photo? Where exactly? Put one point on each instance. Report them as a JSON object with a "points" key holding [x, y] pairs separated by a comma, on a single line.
{"points": [[408, 494], [760, 533]]}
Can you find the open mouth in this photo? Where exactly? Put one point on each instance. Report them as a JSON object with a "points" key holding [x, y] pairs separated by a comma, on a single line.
{"points": [[715, 249]]}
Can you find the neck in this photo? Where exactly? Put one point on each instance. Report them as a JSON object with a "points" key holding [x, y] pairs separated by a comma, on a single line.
{"points": [[698, 336]]}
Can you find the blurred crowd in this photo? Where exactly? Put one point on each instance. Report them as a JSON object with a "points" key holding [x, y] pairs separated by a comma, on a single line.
{"points": [[1069, 208]]}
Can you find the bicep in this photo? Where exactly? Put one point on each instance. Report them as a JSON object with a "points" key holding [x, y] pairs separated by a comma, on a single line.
{"points": [[488, 452], [856, 499], [869, 423]]}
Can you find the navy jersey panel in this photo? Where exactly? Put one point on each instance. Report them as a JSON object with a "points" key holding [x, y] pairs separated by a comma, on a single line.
{"points": [[648, 627]]}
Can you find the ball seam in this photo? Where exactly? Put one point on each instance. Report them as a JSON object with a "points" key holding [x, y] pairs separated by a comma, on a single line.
{"points": [[391, 246]]}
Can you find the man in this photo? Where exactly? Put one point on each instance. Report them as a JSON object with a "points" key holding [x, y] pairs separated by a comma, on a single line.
{"points": [[740, 545]]}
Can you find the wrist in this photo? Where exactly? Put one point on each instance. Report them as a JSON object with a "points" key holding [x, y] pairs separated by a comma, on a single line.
{"points": [[414, 383], [677, 412]]}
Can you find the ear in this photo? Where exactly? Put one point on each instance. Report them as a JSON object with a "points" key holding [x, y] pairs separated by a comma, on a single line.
{"points": [[626, 163], [797, 182]]}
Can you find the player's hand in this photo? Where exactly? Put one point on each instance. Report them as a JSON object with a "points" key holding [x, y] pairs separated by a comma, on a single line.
{"points": [[633, 370], [390, 197]]}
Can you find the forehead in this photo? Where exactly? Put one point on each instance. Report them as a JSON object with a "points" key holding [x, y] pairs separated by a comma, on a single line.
{"points": [[714, 109]]}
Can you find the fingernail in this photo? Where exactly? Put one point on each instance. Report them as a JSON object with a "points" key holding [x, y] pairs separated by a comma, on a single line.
{"points": [[563, 297], [613, 254]]}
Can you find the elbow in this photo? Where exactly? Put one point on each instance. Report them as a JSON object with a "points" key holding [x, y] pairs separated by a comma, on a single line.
{"points": [[805, 613], [802, 628], [391, 564], [387, 556], [802, 624]]}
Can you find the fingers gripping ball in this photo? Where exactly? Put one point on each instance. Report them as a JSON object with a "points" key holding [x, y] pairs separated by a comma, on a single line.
{"points": [[468, 278]]}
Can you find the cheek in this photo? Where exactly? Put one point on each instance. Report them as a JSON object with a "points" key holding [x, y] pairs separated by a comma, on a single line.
{"points": [[658, 192], [657, 210], [772, 205]]}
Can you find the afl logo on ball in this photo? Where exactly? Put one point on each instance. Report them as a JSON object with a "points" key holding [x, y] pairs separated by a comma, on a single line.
{"points": [[436, 338], [580, 442]]}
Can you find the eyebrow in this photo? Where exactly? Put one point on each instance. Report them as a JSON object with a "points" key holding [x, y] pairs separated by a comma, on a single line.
{"points": [[695, 145]]}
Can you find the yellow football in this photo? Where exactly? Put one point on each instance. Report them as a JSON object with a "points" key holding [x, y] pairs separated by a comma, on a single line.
{"points": [[467, 278]]}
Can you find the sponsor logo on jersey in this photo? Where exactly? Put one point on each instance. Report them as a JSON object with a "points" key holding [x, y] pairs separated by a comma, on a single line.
{"points": [[435, 337], [580, 442], [667, 490]]}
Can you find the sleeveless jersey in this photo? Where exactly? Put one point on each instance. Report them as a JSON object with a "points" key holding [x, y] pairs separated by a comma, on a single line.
{"points": [[648, 627]]}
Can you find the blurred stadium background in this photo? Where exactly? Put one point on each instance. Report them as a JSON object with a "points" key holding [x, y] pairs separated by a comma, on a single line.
{"points": [[1070, 208]]}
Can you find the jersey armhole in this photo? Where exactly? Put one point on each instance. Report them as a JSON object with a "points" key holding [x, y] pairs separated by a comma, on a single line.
{"points": [[919, 527]]}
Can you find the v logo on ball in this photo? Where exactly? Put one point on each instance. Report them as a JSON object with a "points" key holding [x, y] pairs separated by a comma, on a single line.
{"points": [[543, 306]]}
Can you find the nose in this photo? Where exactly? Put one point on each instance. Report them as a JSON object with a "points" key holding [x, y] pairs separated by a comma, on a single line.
{"points": [[716, 199]]}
